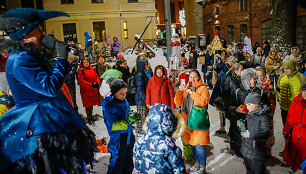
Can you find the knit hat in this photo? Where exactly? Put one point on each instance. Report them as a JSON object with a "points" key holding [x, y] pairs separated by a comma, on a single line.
{"points": [[111, 73], [116, 85], [253, 98], [304, 87], [232, 59], [289, 64]]}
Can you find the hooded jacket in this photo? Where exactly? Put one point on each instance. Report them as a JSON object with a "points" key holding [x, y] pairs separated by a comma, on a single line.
{"points": [[155, 151], [289, 86], [160, 90], [116, 45], [87, 76], [258, 125], [273, 64], [295, 126], [141, 84], [88, 40], [115, 111]]}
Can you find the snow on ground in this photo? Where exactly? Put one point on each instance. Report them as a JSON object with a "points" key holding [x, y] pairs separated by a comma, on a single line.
{"points": [[219, 160]]}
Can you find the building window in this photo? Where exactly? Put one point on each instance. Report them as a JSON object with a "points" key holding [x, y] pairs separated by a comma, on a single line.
{"points": [[172, 11], [270, 3], [217, 10], [266, 30], [27, 3], [67, 1], [243, 5], [125, 30], [230, 34], [99, 30], [96, 1], [3, 5], [218, 29], [301, 32], [69, 31], [132, 1], [243, 32]]}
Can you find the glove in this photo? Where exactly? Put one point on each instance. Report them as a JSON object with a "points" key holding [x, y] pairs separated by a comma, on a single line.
{"points": [[95, 85], [62, 49], [245, 134], [132, 117], [49, 42]]}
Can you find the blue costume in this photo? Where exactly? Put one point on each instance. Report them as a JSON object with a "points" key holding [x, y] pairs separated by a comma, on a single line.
{"points": [[121, 137], [155, 151], [41, 116], [88, 45]]}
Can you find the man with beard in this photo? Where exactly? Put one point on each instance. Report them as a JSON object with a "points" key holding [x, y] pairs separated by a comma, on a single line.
{"points": [[42, 133]]}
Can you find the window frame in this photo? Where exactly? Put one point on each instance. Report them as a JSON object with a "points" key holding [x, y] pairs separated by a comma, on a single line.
{"points": [[125, 30], [102, 35], [243, 5], [243, 34], [231, 27], [62, 2], [75, 39]]}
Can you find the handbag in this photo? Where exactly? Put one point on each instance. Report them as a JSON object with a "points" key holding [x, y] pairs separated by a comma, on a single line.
{"points": [[198, 119], [202, 60]]}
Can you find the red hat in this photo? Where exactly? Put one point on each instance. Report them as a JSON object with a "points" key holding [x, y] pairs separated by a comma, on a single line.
{"points": [[216, 33], [183, 76]]}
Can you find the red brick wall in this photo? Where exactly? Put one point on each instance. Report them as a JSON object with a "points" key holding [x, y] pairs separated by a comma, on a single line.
{"points": [[230, 15]]}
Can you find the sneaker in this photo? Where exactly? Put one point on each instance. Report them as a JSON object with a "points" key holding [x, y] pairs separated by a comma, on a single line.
{"points": [[201, 170], [195, 167]]}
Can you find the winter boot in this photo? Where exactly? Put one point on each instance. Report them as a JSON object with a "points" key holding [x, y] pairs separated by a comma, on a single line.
{"points": [[195, 167], [89, 115]]}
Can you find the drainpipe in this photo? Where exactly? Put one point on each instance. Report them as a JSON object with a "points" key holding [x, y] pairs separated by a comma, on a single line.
{"points": [[168, 29], [250, 18]]}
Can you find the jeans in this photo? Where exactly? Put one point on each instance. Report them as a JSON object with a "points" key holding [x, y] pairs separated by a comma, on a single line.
{"points": [[199, 153], [274, 78], [89, 50]]}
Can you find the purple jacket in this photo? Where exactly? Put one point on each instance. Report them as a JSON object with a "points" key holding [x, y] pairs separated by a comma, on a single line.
{"points": [[116, 45]]}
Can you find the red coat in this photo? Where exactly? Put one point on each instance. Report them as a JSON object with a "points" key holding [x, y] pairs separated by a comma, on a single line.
{"points": [[89, 95], [155, 93], [295, 151]]}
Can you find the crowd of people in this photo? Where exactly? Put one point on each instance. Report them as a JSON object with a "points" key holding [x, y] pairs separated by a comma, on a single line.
{"points": [[42, 131]]}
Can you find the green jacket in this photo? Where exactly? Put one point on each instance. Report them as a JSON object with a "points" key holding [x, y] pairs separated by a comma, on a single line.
{"points": [[288, 87]]}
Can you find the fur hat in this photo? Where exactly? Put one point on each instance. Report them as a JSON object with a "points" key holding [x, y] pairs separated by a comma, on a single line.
{"points": [[116, 85], [246, 75], [289, 64], [18, 22]]}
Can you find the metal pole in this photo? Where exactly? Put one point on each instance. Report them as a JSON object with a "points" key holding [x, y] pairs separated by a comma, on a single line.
{"points": [[168, 29], [250, 18]]}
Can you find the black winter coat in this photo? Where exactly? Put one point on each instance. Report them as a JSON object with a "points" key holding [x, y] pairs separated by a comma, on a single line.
{"points": [[258, 125], [233, 95]]}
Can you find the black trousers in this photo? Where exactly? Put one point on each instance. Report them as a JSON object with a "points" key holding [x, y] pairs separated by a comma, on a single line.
{"points": [[255, 166], [124, 163], [284, 114]]}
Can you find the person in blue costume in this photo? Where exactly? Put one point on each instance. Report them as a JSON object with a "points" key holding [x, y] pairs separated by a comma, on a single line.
{"points": [[118, 120], [88, 45], [155, 151], [42, 133]]}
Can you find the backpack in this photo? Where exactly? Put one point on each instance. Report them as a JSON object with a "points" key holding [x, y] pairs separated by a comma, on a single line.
{"points": [[131, 82]]}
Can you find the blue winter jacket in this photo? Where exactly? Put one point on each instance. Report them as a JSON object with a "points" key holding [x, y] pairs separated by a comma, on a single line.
{"points": [[115, 111], [40, 105], [209, 61], [141, 84], [155, 151], [88, 40]]}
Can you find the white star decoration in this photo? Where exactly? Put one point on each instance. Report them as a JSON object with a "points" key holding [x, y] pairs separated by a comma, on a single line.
{"points": [[2, 99]]}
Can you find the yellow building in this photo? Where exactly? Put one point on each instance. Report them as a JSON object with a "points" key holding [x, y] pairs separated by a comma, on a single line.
{"points": [[121, 18]]}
